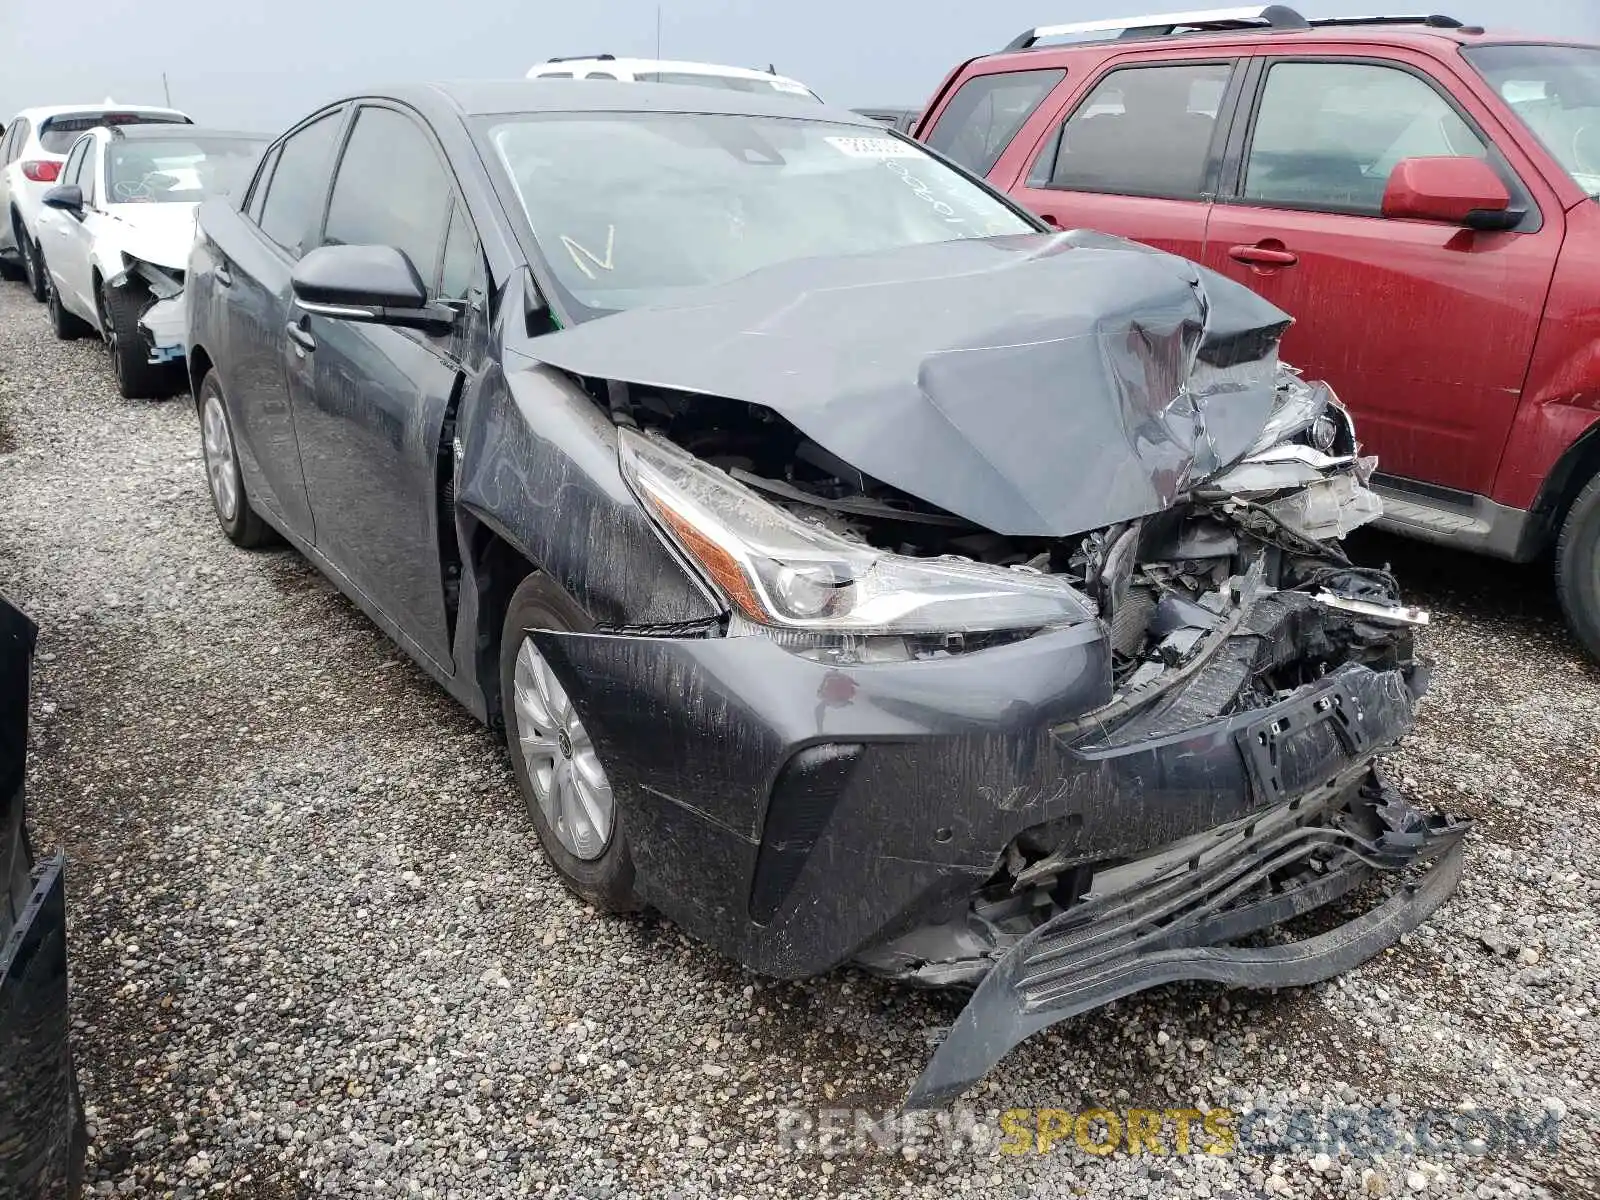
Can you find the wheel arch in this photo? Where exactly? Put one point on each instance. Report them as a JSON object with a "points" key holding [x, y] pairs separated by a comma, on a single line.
{"points": [[1567, 479]]}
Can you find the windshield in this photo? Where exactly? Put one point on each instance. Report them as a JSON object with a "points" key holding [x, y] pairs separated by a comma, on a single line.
{"points": [[630, 208], [733, 83], [1555, 90], [182, 170]]}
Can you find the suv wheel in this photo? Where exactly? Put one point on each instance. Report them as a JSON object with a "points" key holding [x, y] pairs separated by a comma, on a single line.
{"points": [[32, 263], [1578, 567]]}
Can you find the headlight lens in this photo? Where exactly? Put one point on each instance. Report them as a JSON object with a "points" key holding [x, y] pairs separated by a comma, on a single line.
{"points": [[779, 570]]}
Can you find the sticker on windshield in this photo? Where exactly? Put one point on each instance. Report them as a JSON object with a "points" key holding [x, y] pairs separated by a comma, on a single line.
{"points": [[788, 85], [873, 147]]}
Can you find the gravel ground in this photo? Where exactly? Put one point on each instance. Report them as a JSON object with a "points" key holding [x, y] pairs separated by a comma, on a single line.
{"points": [[316, 949]]}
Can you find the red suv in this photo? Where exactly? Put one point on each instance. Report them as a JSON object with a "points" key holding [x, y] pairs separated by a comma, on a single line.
{"points": [[1419, 193]]}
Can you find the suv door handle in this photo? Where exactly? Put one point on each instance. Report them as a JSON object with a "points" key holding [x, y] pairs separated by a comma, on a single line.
{"points": [[222, 275], [301, 337], [1264, 254]]}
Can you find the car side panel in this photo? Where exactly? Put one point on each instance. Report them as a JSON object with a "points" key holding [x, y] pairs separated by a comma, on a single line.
{"points": [[238, 311], [1561, 401]]}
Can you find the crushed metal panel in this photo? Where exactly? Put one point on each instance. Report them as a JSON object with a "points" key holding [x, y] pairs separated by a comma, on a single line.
{"points": [[965, 372]]}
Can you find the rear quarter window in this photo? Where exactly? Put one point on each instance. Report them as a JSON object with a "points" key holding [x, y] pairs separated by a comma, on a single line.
{"points": [[986, 112]]}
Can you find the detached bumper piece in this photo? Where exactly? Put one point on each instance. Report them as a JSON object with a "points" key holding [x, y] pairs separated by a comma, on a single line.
{"points": [[164, 323], [1179, 915]]}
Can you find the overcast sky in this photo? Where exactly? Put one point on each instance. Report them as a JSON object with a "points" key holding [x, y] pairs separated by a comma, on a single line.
{"points": [[260, 64]]}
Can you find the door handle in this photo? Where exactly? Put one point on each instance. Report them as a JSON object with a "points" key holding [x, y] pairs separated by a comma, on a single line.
{"points": [[301, 337], [222, 275], [1264, 254], [1053, 222]]}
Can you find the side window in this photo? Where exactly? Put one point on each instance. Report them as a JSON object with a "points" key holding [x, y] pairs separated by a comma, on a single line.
{"points": [[9, 137], [391, 190], [293, 202], [72, 169], [259, 195], [1328, 135], [1142, 131], [984, 115], [599, 75], [461, 272], [87, 170], [22, 130]]}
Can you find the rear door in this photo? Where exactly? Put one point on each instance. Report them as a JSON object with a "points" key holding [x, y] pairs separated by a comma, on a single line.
{"points": [[283, 212], [1135, 151], [1425, 330], [371, 401]]}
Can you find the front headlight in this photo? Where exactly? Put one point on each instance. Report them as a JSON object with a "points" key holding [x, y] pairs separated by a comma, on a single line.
{"points": [[778, 570]]}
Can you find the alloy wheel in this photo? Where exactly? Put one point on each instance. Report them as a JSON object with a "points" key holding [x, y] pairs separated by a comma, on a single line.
{"points": [[568, 781], [221, 473]]}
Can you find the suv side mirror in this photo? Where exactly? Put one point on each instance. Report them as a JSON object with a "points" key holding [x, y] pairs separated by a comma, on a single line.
{"points": [[375, 285], [68, 197], [1452, 191]]}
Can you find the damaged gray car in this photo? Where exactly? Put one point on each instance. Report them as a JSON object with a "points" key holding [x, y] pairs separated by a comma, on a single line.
{"points": [[860, 572]]}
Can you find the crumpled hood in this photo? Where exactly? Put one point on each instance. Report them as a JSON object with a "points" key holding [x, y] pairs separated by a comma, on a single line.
{"points": [[162, 234], [1039, 385]]}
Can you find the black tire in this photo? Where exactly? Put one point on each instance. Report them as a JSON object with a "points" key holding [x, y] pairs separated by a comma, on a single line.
{"points": [[242, 524], [32, 264], [137, 377], [1578, 567], [65, 325], [607, 880]]}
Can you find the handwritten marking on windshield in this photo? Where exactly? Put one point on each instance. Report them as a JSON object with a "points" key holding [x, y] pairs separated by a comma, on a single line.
{"points": [[583, 256]]}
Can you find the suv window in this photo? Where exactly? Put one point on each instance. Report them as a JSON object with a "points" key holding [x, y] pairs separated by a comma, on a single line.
{"points": [[1328, 135], [258, 193], [1143, 131], [985, 113], [18, 133], [293, 203], [391, 190]]}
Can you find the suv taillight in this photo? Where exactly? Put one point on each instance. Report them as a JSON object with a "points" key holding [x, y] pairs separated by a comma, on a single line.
{"points": [[42, 170]]}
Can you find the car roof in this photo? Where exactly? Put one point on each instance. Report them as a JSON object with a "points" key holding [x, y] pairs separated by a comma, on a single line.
{"points": [[480, 98], [1418, 36], [167, 131], [660, 64], [45, 112]]}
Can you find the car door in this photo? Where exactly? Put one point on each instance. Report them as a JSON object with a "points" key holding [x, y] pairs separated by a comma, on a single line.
{"points": [[58, 230], [10, 147], [72, 268], [371, 400], [1135, 152], [1425, 330], [283, 211]]}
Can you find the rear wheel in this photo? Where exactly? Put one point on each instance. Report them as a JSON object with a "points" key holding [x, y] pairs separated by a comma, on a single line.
{"points": [[137, 377], [32, 263], [1578, 567], [565, 787], [239, 521], [64, 324]]}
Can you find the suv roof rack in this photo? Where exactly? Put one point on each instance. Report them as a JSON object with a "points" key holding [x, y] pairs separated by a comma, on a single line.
{"points": [[1218, 20], [584, 58]]}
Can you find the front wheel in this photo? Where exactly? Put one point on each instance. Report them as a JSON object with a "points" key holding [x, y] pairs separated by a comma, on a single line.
{"points": [[239, 521], [137, 377], [1578, 567], [567, 792]]}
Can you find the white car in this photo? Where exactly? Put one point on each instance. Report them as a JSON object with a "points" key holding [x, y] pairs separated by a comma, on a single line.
{"points": [[114, 236], [31, 153], [658, 70]]}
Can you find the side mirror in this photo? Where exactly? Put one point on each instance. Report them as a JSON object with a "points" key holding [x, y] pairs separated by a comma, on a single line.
{"points": [[1452, 191], [68, 197], [375, 285]]}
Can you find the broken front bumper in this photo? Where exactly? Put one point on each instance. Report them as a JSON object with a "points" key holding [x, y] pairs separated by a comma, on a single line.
{"points": [[1174, 916], [164, 323]]}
